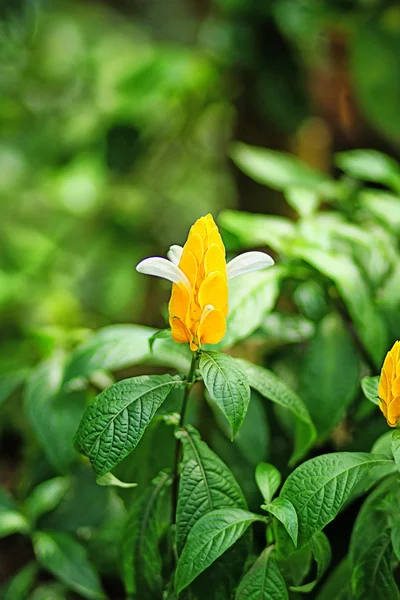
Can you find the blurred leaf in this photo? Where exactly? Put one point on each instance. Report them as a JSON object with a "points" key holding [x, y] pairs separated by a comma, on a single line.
{"points": [[50, 591], [374, 68], [227, 385], [54, 415], [395, 537], [45, 497], [287, 329], [251, 297], [369, 386], [258, 230], [330, 387], [352, 287], [383, 205], [271, 387], [67, 560], [11, 521], [370, 165], [114, 423], [396, 447], [303, 200], [110, 349], [338, 584], [9, 382], [162, 334], [285, 512], [253, 438], [309, 297], [208, 539], [264, 581], [110, 480], [268, 480], [322, 553], [274, 169], [205, 484], [141, 557], [21, 583], [329, 478]]}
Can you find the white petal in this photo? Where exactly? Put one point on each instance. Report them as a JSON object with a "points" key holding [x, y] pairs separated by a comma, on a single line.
{"points": [[174, 254], [247, 262], [161, 267]]}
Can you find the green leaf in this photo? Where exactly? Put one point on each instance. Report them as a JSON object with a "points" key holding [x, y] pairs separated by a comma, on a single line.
{"points": [[208, 539], [114, 423], [251, 297], [141, 558], [355, 293], [327, 481], [264, 581], [67, 560], [9, 382], [331, 387], [11, 521], [383, 205], [395, 537], [271, 387], [163, 334], [277, 170], [45, 497], [53, 414], [304, 200], [285, 512], [338, 585], [205, 484], [287, 329], [396, 447], [227, 385], [110, 480], [259, 230], [111, 348], [370, 165], [268, 480], [322, 553], [21, 584], [372, 577], [369, 386]]}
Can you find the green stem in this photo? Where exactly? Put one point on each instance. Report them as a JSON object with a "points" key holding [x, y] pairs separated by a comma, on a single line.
{"points": [[177, 457]]}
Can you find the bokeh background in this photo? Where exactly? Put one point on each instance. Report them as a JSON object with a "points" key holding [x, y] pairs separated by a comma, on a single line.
{"points": [[116, 123]]}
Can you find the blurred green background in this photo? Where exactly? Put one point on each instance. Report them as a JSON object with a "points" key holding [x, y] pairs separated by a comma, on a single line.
{"points": [[116, 123]]}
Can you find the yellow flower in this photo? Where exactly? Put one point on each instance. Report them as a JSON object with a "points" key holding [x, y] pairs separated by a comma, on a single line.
{"points": [[199, 301], [389, 386]]}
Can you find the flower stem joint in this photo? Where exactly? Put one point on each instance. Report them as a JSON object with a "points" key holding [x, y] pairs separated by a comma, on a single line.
{"points": [[198, 307]]}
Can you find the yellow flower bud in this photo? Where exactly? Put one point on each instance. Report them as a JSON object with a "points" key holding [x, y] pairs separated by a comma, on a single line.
{"points": [[389, 386], [197, 314]]}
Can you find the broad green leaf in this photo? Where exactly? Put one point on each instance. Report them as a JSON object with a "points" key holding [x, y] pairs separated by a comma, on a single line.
{"points": [[208, 539], [12, 521], [287, 329], [110, 480], [372, 577], [277, 170], [50, 591], [45, 497], [370, 165], [141, 558], [21, 584], [227, 385], [67, 560], [264, 581], [163, 334], [53, 414], [111, 348], [304, 200], [251, 297], [259, 230], [355, 293], [114, 423], [330, 387], [205, 484], [295, 564], [384, 205], [326, 480], [369, 386], [271, 387], [338, 584], [395, 537], [9, 382], [322, 553], [396, 447], [285, 512], [268, 479]]}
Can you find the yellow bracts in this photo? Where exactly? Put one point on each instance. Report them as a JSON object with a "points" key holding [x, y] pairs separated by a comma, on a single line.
{"points": [[389, 386]]}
